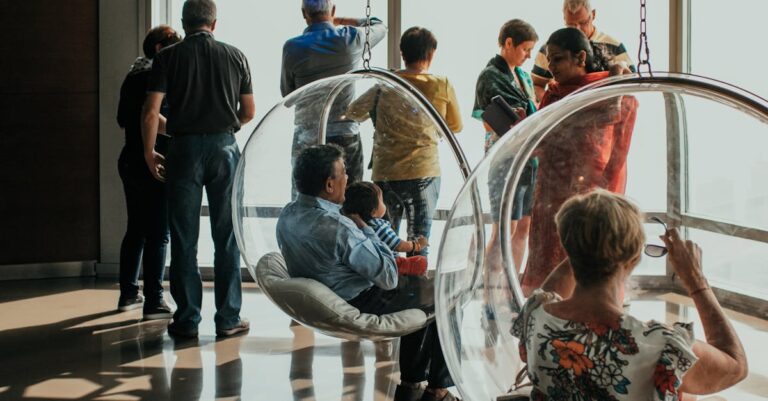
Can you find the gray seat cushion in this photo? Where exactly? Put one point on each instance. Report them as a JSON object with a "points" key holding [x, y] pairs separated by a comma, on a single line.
{"points": [[313, 304]]}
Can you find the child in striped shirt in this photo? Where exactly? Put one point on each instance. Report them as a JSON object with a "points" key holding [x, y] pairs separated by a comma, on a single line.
{"points": [[365, 199]]}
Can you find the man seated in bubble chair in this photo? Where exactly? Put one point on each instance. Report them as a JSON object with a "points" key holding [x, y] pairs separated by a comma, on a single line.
{"points": [[585, 344], [345, 254]]}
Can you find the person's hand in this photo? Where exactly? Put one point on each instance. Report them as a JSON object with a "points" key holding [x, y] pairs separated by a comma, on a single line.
{"points": [[685, 257], [359, 222], [156, 163], [349, 21], [423, 242], [619, 68], [520, 114]]}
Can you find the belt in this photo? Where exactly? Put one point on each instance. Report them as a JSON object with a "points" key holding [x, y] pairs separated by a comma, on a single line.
{"points": [[181, 134]]}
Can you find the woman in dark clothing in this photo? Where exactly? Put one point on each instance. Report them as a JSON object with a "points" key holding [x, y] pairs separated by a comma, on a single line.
{"points": [[147, 234]]}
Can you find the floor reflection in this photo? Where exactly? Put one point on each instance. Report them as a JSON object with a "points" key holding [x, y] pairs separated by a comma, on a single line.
{"points": [[352, 362], [61, 340]]}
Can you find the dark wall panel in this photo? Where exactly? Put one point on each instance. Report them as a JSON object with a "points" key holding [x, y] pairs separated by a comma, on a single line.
{"points": [[49, 131]]}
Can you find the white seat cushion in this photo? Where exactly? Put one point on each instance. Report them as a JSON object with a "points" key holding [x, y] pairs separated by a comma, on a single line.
{"points": [[313, 304]]}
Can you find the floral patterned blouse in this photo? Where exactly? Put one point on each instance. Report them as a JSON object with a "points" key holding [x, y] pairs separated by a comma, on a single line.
{"points": [[628, 360]]}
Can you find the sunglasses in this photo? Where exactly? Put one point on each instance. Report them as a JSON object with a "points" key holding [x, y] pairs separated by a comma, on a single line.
{"points": [[656, 251]]}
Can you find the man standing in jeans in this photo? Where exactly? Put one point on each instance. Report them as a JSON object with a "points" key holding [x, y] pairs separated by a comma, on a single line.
{"points": [[208, 86], [329, 46]]}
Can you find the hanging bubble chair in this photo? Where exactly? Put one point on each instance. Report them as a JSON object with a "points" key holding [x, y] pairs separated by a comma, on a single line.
{"points": [[319, 113], [688, 150]]}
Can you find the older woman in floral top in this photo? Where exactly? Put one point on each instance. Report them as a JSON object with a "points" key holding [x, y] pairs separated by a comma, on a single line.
{"points": [[584, 347]]}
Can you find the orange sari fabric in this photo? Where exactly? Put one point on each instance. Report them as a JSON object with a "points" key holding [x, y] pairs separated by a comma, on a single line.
{"points": [[586, 150]]}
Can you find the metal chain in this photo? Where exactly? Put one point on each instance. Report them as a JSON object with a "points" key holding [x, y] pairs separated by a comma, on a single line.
{"points": [[644, 58], [367, 47]]}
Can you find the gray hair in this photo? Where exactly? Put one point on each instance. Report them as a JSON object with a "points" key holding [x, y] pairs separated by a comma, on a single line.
{"points": [[197, 13], [575, 5], [317, 7]]}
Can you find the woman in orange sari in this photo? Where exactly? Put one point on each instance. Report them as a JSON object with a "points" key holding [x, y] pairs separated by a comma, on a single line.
{"points": [[585, 151]]}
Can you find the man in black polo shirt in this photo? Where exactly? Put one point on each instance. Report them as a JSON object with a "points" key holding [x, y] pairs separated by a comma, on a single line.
{"points": [[209, 93]]}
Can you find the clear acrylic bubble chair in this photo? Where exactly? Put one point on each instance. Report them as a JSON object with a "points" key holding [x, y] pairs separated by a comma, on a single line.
{"points": [[321, 112], [688, 150]]}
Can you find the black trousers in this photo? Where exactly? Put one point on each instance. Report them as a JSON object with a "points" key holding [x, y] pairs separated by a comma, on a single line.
{"points": [[147, 234], [421, 357]]}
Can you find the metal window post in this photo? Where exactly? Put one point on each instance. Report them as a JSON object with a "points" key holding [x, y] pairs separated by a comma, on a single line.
{"points": [[394, 12], [680, 36]]}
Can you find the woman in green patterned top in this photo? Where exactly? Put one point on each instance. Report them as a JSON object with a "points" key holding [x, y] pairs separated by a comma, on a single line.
{"points": [[503, 76]]}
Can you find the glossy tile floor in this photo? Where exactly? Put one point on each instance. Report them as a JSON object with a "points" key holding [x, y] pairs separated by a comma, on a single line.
{"points": [[62, 340]]}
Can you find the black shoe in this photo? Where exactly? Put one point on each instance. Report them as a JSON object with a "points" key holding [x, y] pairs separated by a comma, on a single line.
{"points": [[408, 392], [174, 330], [157, 311], [126, 304], [243, 326]]}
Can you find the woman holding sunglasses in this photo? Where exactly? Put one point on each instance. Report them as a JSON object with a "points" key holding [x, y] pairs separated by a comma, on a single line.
{"points": [[584, 343]]}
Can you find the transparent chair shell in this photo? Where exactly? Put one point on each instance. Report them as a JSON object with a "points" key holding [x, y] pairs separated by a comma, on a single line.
{"points": [[695, 158], [309, 116]]}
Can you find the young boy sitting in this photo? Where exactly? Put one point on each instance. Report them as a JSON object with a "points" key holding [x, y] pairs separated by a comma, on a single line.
{"points": [[365, 199]]}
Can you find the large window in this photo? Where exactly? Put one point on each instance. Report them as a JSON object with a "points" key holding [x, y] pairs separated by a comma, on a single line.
{"points": [[260, 31], [467, 39], [724, 180], [725, 42]]}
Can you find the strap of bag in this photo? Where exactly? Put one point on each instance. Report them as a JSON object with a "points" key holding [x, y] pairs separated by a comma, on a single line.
{"points": [[373, 112]]}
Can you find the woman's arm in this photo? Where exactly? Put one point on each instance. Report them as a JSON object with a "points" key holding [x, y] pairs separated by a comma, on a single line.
{"points": [[722, 361]]}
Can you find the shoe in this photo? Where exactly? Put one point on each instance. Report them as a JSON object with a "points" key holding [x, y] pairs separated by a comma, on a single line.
{"points": [[126, 304], [241, 327], [174, 330], [408, 392], [512, 397], [157, 311]]}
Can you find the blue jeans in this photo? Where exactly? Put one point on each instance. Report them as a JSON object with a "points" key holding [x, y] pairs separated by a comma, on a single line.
{"points": [[195, 161], [417, 199]]}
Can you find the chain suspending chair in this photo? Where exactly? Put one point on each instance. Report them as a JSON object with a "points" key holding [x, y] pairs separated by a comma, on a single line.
{"points": [[263, 185]]}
